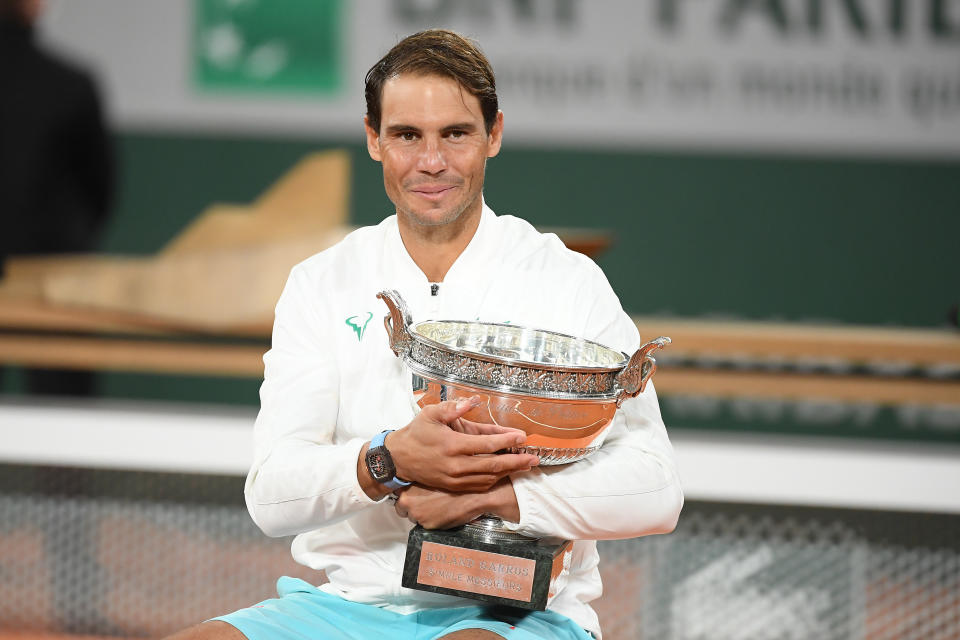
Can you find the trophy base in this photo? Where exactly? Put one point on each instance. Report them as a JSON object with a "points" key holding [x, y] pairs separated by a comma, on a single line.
{"points": [[480, 562]]}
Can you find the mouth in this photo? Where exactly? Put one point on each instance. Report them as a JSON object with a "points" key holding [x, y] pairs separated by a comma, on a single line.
{"points": [[433, 192]]}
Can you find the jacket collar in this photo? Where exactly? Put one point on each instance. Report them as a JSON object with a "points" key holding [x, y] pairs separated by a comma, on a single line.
{"points": [[473, 257]]}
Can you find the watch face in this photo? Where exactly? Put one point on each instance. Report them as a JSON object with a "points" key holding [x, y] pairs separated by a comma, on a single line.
{"points": [[380, 464]]}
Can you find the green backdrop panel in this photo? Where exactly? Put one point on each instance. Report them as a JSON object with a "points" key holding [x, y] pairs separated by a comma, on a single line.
{"points": [[289, 47], [845, 240]]}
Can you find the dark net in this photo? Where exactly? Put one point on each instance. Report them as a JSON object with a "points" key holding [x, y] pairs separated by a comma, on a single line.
{"points": [[140, 554]]}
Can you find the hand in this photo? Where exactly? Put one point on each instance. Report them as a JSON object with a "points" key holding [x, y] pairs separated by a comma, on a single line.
{"points": [[441, 449], [439, 509]]}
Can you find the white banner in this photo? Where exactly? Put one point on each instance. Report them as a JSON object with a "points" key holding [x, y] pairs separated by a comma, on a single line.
{"points": [[848, 76]]}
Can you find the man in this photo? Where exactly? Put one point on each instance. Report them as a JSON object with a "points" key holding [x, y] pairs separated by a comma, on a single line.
{"points": [[332, 384], [56, 164]]}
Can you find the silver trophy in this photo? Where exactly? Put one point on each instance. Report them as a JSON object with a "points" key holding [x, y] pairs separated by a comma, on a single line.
{"points": [[562, 391]]}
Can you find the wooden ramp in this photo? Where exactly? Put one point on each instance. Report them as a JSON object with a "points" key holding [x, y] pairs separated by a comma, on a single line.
{"points": [[226, 268]]}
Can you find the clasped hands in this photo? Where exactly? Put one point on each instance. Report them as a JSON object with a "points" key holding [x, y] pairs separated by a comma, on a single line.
{"points": [[454, 466]]}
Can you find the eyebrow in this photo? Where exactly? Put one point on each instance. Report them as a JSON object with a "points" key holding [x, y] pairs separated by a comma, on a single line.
{"points": [[459, 126], [401, 128]]}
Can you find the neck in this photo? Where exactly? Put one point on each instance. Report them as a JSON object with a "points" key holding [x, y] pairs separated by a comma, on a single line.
{"points": [[435, 248]]}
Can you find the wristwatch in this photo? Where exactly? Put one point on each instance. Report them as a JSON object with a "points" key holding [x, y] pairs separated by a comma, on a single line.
{"points": [[380, 464]]}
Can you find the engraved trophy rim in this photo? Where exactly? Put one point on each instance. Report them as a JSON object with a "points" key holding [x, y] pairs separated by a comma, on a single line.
{"points": [[422, 370], [517, 361], [515, 376], [622, 378]]}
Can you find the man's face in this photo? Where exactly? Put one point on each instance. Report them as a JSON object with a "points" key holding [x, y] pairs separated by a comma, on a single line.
{"points": [[433, 147]]}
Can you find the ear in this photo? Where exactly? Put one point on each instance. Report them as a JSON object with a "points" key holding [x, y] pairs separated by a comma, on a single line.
{"points": [[373, 140], [496, 136]]}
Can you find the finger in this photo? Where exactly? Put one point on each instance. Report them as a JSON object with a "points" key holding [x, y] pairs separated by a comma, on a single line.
{"points": [[484, 428], [449, 410], [470, 444], [495, 465], [473, 483]]}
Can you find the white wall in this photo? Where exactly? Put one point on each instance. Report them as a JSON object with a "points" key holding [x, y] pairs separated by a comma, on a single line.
{"points": [[624, 73], [725, 467]]}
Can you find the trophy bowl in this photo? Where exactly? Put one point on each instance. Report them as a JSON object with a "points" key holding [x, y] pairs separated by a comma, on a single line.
{"points": [[562, 391]]}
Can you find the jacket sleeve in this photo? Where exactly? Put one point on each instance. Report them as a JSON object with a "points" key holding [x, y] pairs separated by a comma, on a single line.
{"points": [[301, 479], [629, 487]]}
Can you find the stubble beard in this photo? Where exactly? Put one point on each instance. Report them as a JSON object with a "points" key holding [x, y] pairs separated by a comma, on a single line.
{"points": [[430, 224], [449, 217]]}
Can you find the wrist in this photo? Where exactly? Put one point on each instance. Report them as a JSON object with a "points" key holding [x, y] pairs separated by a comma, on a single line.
{"points": [[501, 501]]}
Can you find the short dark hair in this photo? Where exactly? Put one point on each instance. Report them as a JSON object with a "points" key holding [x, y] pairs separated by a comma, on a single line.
{"points": [[440, 52]]}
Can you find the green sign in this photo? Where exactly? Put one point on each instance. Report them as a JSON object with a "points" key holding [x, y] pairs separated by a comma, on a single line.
{"points": [[289, 47]]}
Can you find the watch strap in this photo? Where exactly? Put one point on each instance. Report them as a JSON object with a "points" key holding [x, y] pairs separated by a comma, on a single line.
{"points": [[379, 441]]}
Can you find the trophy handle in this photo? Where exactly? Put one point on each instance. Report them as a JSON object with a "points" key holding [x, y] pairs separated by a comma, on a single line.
{"points": [[632, 380], [397, 322]]}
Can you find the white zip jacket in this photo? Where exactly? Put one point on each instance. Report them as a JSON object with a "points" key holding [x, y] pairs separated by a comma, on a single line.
{"points": [[331, 383]]}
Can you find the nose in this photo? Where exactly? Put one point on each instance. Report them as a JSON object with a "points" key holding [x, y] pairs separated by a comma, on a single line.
{"points": [[431, 158]]}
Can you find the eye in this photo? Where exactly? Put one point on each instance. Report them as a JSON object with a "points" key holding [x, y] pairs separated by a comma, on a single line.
{"points": [[408, 136], [456, 134]]}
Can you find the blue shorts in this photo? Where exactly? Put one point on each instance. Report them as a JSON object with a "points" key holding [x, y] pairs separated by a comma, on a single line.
{"points": [[303, 612]]}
